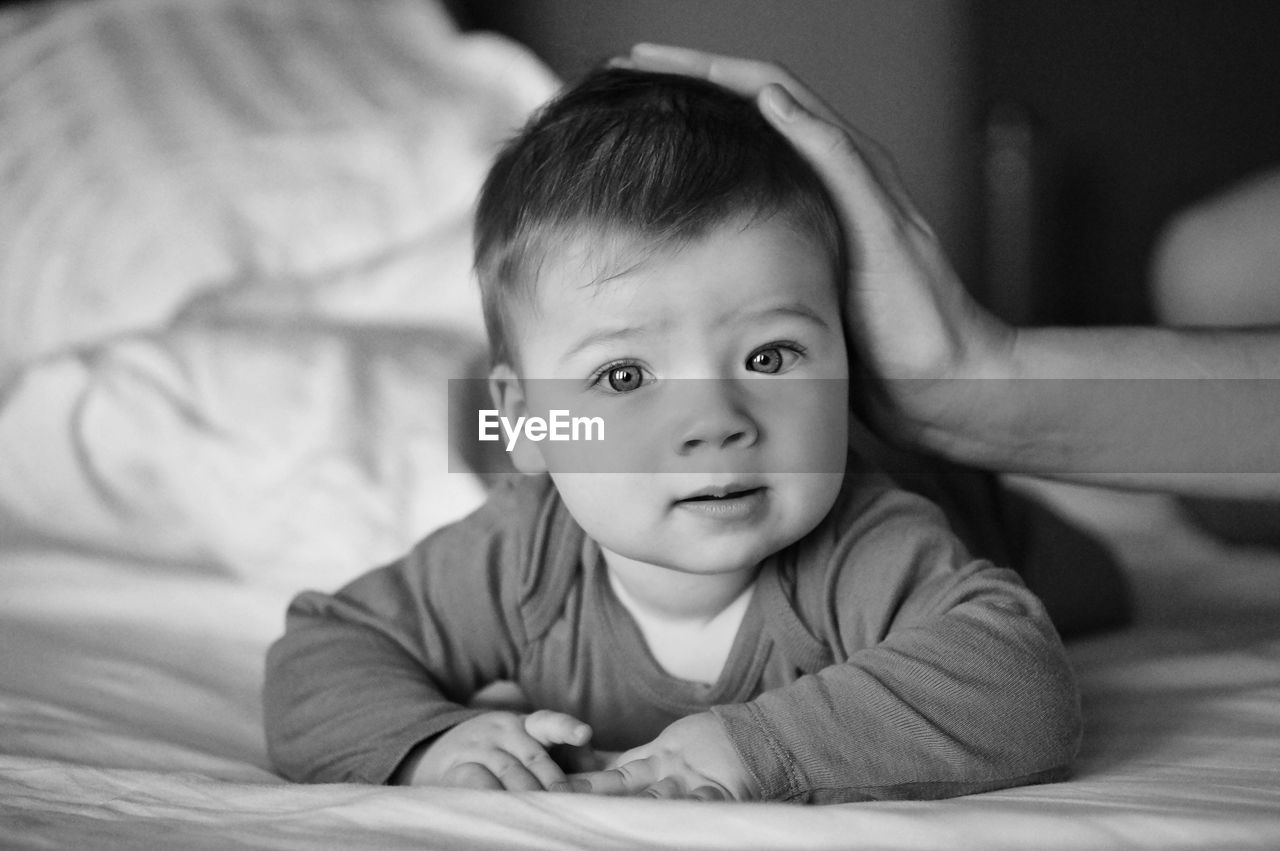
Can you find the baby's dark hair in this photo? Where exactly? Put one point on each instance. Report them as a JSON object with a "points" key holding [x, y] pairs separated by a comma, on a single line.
{"points": [[662, 157]]}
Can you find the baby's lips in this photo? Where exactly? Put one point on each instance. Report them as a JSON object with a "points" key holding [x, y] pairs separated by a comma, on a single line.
{"points": [[720, 491]]}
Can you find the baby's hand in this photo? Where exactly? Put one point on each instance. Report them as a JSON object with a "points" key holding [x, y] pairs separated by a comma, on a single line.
{"points": [[497, 750], [692, 758]]}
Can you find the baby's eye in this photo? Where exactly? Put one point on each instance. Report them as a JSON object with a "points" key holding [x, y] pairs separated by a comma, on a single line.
{"points": [[621, 378], [624, 378], [773, 359]]}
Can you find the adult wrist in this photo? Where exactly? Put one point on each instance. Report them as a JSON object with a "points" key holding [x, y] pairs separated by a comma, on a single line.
{"points": [[972, 411]]}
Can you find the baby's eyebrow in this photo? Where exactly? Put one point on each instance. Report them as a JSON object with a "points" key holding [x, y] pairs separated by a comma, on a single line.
{"points": [[608, 335], [631, 332], [796, 309]]}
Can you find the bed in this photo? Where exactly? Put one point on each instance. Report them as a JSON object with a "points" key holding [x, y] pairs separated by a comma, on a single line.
{"points": [[234, 281]]}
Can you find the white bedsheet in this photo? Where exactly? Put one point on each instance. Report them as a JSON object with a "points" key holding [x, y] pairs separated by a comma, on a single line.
{"points": [[129, 718]]}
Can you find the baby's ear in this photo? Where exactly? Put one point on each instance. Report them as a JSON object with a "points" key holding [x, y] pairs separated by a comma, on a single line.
{"points": [[508, 397]]}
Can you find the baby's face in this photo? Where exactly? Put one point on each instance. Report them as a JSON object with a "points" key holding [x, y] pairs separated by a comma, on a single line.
{"points": [[719, 372]]}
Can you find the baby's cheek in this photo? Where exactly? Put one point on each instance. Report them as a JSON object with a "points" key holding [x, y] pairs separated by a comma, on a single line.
{"points": [[606, 505], [812, 498]]}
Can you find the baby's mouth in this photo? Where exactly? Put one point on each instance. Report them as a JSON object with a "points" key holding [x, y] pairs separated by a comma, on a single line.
{"points": [[721, 494]]}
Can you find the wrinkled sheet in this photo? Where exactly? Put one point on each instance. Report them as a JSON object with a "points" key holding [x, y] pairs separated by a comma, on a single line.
{"points": [[129, 718]]}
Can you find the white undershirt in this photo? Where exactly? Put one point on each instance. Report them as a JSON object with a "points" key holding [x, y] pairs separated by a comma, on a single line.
{"points": [[691, 650]]}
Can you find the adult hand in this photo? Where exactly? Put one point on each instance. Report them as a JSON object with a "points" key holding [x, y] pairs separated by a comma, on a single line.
{"points": [[908, 311], [912, 319], [692, 758], [497, 750]]}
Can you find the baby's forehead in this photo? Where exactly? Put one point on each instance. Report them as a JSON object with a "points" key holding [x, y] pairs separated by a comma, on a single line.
{"points": [[593, 256], [617, 280], [589, 275], [590, 256]]}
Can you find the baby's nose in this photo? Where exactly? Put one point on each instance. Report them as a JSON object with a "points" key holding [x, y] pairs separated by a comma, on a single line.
{"points": [[714, 419]]}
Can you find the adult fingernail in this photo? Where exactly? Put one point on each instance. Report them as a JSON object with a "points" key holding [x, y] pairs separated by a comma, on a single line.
{"points": [[779, 100]]}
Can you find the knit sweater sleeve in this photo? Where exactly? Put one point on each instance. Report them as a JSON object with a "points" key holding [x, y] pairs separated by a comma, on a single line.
{"points": [[947, 676], [362, 676]]}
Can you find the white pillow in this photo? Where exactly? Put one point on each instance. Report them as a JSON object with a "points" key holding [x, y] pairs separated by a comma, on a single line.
{"points": [[155, 151], [235, 274]]}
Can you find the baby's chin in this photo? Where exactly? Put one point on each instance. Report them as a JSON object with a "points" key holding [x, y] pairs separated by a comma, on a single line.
{"points": [[718, 560]]}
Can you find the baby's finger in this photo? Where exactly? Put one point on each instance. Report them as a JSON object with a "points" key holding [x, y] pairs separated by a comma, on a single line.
{"points": [[610, 759], [556, 728], [516, 775], [667, 787], [470, 775], [709, 793], [522, 763], [626, 779], [542, 767]]}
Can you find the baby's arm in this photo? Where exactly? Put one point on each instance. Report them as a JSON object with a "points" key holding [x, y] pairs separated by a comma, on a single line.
{"points": [[363, 678], [953, 681]]}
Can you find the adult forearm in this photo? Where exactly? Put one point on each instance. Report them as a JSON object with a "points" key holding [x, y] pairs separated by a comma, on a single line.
{"points": [[1173, 410]]}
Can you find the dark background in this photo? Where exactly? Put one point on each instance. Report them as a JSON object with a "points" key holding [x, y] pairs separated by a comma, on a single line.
{"points": [[1049, 142], [1141, 107]]}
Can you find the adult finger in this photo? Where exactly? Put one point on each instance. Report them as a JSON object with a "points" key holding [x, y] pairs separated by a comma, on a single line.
{"points": [[870, 214], [839, 152], [709, 793], [744, 76], [749, 78], [556, 728]]}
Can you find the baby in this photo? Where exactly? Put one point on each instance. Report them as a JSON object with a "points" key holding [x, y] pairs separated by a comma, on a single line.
{"points": [[720, 601]]}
